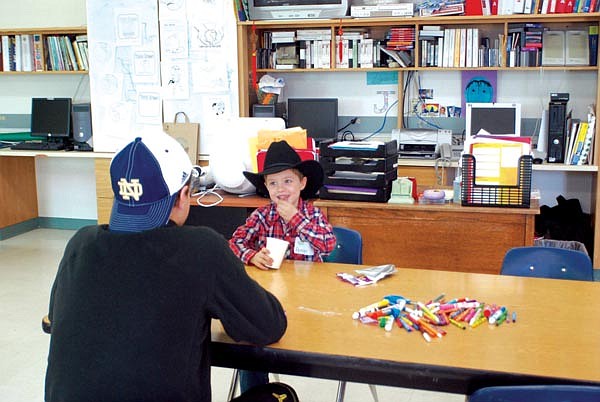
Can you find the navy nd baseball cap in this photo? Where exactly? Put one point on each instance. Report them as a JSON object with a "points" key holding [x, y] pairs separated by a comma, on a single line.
{"points": [[146, 176]]}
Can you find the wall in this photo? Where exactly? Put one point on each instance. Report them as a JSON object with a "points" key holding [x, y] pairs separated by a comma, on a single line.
{"points": [[66, 188], [530, 88]]}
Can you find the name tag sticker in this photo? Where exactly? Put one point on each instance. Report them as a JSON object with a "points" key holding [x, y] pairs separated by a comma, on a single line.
{"points": [[303, 247]]}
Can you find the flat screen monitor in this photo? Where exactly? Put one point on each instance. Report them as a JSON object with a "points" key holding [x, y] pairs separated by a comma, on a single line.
{"points": [[495, 118], [51, 118], [319, 116], [294, 9]]}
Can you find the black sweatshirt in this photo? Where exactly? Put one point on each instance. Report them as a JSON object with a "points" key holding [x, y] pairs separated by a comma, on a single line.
{"points": [[131, 314]]}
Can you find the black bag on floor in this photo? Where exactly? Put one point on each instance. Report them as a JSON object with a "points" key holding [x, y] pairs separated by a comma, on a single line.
{"points": [[271, 392]]}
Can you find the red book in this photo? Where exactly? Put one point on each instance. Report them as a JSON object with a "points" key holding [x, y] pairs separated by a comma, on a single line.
{"points": [[473, 7], [561, 7], [494, 7]]}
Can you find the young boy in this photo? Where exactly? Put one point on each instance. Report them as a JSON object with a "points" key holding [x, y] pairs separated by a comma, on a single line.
{"points": [[288, 182]]}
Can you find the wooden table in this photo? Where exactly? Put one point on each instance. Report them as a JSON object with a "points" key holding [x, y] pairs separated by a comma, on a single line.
{"points": [[443, 237], [554, 341]]}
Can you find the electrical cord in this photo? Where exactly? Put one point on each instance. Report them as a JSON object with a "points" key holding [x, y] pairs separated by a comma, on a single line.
{"points": [[383, 123], [203, 194], [352, 121], [347, 134]]}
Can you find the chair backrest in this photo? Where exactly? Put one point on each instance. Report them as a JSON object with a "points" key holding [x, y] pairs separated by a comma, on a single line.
{"points": [[348, 247], [548, 262], [537, 393]]}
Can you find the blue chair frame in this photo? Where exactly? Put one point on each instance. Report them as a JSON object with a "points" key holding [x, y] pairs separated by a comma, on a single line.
{"points": [[548, 262], [537, 393], [348, 247]]}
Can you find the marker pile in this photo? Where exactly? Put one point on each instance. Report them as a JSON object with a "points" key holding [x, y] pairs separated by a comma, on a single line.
{"points": [[428, 318]]}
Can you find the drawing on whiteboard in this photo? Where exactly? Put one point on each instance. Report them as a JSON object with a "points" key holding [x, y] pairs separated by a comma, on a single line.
{"points": [[144, 64], [175, 82], [210, 76], [127, 28], [173, 39], [109, 84], [102, 53], [149, 106], [205, 34], [172, 5], [216, 106]]}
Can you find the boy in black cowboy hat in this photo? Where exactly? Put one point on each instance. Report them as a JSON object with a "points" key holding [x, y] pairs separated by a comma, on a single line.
{"points": [[288, 182]]}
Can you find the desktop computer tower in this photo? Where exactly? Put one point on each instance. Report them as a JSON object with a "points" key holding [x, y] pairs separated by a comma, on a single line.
{"points": [[275, 110], [557, 127], [81, 114]]}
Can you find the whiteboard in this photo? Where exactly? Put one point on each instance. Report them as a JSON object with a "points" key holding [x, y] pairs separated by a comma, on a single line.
{"points": [[150, 59]]}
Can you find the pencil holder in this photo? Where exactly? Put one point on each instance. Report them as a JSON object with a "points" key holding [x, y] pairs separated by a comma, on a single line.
{"points": [[266, 98]]}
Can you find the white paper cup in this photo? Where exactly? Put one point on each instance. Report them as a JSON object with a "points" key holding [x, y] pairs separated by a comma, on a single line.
{"points": [[277, 249]]}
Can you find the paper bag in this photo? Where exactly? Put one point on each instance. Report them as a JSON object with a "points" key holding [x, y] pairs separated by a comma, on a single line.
{"points": [[186, 133]]}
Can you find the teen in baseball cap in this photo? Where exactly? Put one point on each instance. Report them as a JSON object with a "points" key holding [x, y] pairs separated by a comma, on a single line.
{"points": [[146, 176]]}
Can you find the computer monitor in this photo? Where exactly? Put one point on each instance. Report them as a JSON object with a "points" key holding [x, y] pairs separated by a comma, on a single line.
{"points": [[51, 118], [495, 118], [319, 116]]}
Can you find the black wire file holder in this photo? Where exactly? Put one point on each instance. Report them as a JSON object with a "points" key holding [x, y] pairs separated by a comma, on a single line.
{"points": [[490, 195]]}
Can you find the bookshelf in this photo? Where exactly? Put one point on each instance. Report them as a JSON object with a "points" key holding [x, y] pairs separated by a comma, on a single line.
{"points": [[250, 34], [60, 50]]}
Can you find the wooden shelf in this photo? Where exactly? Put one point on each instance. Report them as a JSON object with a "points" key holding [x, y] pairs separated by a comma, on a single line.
{"points": [[249, 35], [65, 46]]}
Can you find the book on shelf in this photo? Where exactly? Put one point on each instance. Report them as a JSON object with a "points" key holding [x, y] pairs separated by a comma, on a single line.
{"points": [[27, 52], [6, 53], [588, 142], [18, 54], [577, 48], [572, 128], [578, 143], [38, 53], [593, 44]]}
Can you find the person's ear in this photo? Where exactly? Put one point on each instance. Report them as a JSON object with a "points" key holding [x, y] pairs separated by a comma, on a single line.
{"points": [[303, 182]]}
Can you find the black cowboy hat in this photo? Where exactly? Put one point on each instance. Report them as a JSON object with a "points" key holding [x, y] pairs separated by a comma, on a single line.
{"points": [[281, 156]]}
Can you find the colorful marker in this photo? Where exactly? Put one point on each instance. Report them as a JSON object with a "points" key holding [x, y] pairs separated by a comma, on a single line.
{"points": [[457, 324], [370, 308]]}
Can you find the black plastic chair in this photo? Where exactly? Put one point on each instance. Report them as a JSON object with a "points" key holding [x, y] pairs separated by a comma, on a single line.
{"points": [[348, 250], [548, 262], [537, 393]]}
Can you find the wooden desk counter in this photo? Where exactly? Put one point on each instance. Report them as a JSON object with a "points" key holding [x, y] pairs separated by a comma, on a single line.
{"points": [[444, 237], [555, 339]]}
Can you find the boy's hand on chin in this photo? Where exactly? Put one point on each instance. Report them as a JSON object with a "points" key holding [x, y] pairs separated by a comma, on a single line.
{"points": [[286, 209]]}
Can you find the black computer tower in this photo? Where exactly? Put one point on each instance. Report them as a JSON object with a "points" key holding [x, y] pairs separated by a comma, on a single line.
{"points": [[557, 128], [82, 127]]}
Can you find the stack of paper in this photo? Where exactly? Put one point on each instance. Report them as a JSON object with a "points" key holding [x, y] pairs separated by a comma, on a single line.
{"points": [[497, 157]]}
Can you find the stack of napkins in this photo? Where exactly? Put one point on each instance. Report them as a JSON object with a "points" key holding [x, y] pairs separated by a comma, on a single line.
{"points": [[368, 276]]}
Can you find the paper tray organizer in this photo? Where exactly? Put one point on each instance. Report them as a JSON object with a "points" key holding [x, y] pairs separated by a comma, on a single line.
{"points": [[363, 165], [344, 166], [512, 196], [376, 181]]}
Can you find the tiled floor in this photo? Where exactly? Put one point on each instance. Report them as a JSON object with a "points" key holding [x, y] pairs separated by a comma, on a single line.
{"points": [[28, 265]]}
